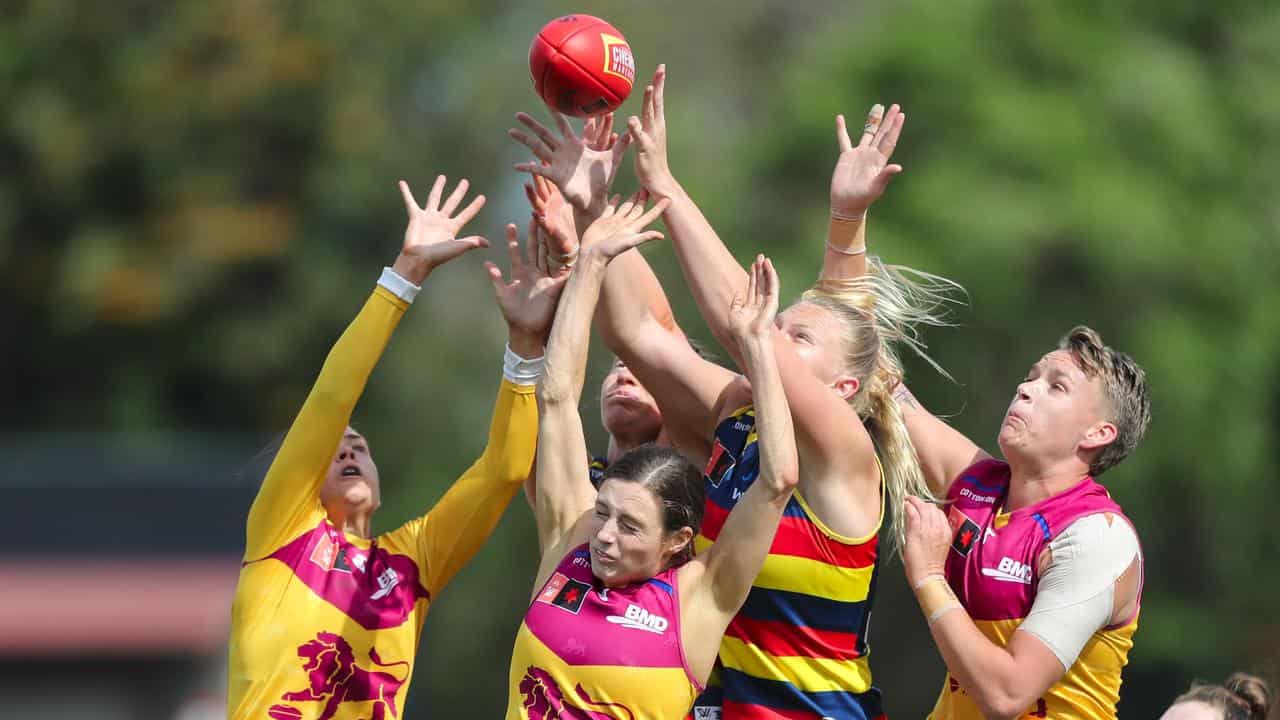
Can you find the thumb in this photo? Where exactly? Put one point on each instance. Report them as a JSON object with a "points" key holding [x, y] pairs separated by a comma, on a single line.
{"points": [[911, 513], [887, 174], [443, 252]]}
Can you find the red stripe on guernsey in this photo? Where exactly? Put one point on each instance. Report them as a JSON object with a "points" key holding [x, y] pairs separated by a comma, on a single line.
{"points": [[740, 711], [781, 639], [798, 537]]}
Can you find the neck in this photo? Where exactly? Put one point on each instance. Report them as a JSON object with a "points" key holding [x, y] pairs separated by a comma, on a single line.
{"points": [[352, 522], [622, 443], [1029, 484]]}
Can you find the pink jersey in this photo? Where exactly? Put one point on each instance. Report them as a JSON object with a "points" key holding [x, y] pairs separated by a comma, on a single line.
{"points": [[993, 568], [592, 652]]}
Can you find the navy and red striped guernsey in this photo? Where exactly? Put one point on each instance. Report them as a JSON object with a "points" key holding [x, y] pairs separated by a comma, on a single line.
{"points": [[798, 647]]}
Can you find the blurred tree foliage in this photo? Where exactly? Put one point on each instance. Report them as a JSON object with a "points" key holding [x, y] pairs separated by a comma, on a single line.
{"points": [[195, 197]]}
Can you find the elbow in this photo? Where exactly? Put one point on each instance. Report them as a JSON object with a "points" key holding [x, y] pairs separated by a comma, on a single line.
{"points": [[1001, 705], [787, 480], [554, 391]]}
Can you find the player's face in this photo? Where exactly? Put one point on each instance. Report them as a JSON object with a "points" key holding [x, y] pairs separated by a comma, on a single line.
{"points": [[626, 408], [1192, 711], [818, 338], [352, 479], [628, 543], [1053, 411]]}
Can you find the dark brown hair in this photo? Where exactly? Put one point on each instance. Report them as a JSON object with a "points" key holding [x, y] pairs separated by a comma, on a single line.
{"points": [[1240, 697], [673, 480]]}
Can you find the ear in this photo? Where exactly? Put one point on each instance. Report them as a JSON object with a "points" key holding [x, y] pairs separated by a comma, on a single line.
{"points": [[1099, 436], [846, 387], [677, 541]]}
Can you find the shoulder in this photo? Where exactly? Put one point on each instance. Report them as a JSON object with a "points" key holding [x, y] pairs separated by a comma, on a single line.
{"points": [[736, 398], [1097, 548], [986, 476]]}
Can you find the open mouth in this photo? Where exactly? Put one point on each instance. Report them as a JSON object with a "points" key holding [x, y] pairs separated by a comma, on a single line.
{"points": [[351, 471]]}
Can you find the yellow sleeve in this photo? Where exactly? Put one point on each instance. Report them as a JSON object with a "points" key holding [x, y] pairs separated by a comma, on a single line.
{"points": [[289, 500], [450, 534]]}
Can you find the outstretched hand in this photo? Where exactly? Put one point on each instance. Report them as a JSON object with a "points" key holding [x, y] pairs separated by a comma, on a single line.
{"points": [[863, 170], [621, 226], [528, 301], [649, 133], [582, 166], [751, 313], [430, 238]]}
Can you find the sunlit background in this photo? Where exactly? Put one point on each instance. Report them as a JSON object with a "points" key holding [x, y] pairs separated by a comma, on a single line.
{"points": [[195, 198]]}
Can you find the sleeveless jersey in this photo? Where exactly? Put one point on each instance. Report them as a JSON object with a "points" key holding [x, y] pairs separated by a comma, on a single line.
{"points": [[798, 647], [993, 569], [588, 652]]}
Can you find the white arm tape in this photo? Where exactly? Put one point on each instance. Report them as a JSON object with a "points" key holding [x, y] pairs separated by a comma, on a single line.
{"points": [[1076, 594], [401, 288], [520, 371]]}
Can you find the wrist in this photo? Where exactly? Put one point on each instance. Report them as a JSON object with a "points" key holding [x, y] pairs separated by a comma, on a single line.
{"points": [[525, 343], [844, 212], [935, 596], [847, 235], [664, 186], [412, 268], [398, 285]]}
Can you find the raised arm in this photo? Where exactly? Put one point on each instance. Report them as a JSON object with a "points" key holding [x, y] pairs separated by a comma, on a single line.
{"points": [[730, 565], [448, 536], [635, 320], [564, 492], [860, 177], [289, 496], [826, 424]]}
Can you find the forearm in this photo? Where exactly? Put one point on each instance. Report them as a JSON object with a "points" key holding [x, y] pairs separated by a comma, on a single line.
{"points": [[985, 670], [566, 354], [461, 521], [710, 270], [294, 479], [632, 303], [776, 435], [735, 558], [562, 477]]}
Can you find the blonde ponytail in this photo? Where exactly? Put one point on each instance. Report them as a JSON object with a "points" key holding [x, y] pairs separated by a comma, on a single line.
{"points": [[881, 311]]}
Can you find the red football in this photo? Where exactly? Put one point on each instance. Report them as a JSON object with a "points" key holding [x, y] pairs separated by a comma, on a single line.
{"points": [[581, 65]]}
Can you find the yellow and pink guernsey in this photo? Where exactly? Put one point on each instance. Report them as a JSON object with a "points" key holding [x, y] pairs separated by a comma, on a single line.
{"points": [[589, 652], [324, 624], [993, 569]]}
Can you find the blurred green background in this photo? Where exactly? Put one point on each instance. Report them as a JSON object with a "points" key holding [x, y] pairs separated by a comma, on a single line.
{"points": [[196, 197]]}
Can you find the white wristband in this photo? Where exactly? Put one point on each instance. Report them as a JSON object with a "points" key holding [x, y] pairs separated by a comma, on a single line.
{"points": [[520, 371], [401, 288]]}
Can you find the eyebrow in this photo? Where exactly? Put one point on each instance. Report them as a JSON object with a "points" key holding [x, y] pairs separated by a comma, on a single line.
{"points": [[353, 436], [630, 519]]}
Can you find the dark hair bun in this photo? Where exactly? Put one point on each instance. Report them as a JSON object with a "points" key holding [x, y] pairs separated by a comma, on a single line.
{"points": [[1252, 691]]}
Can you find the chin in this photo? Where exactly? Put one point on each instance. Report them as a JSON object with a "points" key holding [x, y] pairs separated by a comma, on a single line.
{"points": [[629, 423]]}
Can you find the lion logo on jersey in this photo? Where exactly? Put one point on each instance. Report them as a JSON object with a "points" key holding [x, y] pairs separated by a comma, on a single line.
{"points": [[543, 700], [334, 678]]}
